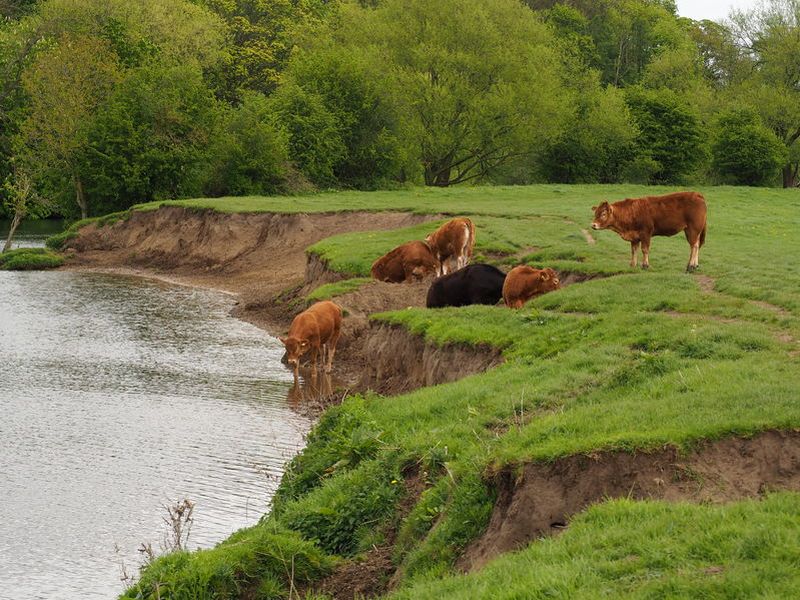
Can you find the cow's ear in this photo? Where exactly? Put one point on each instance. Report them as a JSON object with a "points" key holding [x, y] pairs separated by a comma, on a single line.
{"points": [[604, 204], [545, 275], [304, 344], [283, 340], [594, 208]]}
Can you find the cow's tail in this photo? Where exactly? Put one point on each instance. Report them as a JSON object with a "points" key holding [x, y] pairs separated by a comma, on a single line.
{"points": [[703, 235], [470, 238]]}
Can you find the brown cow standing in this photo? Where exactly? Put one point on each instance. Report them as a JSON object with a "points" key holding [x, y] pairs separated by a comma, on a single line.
{"points": [[452, 244], [523, 283], [313, 330], [412, 260], [636, 220]]}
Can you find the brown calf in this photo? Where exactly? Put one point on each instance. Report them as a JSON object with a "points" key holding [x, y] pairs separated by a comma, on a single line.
{"points": [[636, 220], [313, 330], [412, 260], [523, 283], [452, 244]]}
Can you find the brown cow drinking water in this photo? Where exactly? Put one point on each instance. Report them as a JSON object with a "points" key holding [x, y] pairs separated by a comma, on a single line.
{"points": [[636, 220], [314, 330]]}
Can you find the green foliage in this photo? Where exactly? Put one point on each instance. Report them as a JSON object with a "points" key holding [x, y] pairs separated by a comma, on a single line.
{"points": [[633, 549], [342, 125], [29, 259], [344, 436], [744, 151], [249, 154], [670, 133], [151, 140], [468, 510], [599, 146], [338, 288], [266, 557], [340, 515]]}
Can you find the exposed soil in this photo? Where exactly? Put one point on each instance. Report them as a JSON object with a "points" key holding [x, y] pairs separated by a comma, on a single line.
{"points": [[254, 254], [542, 499]]}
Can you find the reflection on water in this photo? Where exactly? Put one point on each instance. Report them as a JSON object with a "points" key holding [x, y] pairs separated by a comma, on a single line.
{"points": [[118, 395], [30, 233], [312, 387]]}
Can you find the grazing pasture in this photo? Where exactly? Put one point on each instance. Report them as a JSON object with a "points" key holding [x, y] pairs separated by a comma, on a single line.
{"points": [[617, 360]]}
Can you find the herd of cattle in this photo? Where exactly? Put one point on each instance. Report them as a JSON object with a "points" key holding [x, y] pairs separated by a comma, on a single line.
{"points": [[445, 254]]}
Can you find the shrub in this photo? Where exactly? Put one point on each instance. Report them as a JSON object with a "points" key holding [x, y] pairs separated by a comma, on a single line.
{"points": [[30, 259], [745, 152]]}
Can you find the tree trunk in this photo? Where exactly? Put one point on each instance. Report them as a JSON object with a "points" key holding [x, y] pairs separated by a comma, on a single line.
{"points": [[438, 173], [14, 224], [790, 175], [80, 197]]}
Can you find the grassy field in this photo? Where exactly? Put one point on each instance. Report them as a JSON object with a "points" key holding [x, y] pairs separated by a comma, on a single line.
{"points": [[625, 360]]}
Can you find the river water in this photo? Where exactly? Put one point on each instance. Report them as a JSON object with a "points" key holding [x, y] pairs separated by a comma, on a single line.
{"points": [[118, 396]]}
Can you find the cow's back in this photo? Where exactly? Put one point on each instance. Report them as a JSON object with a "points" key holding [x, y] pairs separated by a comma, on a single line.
{"points": [[672, 213], [328, 318]]}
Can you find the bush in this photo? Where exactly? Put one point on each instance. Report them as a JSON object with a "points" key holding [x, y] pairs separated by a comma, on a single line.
{"points": [[29, 259], [249, 155], [670, 133], [745, 152]]}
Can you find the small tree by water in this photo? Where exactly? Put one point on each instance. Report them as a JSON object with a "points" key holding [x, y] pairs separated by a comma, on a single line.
{"points": [[21, 200]]}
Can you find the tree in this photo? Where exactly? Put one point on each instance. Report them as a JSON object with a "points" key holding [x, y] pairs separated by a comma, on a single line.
{"points": [[20, 201], [670, 133], [598, 145], [769, 38], [151, 139], [476, 82], [249, 153], [744, 151], [66, 85], [260, 41]]}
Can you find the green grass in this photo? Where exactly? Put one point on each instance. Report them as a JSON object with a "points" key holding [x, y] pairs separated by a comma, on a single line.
{"points": [[337, 288], [29, 259], [625, 549], [627, 360]]}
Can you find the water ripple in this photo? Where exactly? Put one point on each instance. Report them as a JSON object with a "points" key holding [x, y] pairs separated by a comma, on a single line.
{"points": [[117, 396]]}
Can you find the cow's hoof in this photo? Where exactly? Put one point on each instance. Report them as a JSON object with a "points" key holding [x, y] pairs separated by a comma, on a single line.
{"points": [[645, 267]]}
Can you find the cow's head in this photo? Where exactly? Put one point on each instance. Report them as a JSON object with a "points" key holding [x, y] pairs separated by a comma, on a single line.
{"points": [[549, 280], [603, 215], [295, 348]]}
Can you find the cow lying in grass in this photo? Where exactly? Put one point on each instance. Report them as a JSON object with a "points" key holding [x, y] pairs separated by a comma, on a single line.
{"points": [[524, 282], [315, 330], [636, 220], [474, 284], [412, 260]]}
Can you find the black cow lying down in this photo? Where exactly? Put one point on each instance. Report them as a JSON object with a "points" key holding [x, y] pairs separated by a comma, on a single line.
{"points": [[474, 284]]}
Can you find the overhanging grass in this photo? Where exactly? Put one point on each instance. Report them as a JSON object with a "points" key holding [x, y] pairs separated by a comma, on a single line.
{"points": [[337, 288], [29, 259], [625, 549]]}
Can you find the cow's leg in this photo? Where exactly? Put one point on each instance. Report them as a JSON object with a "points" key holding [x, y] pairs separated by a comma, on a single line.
{"points": [[693, 238], [331, 352], [634, 250], [645, 253], [314, 352]]}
